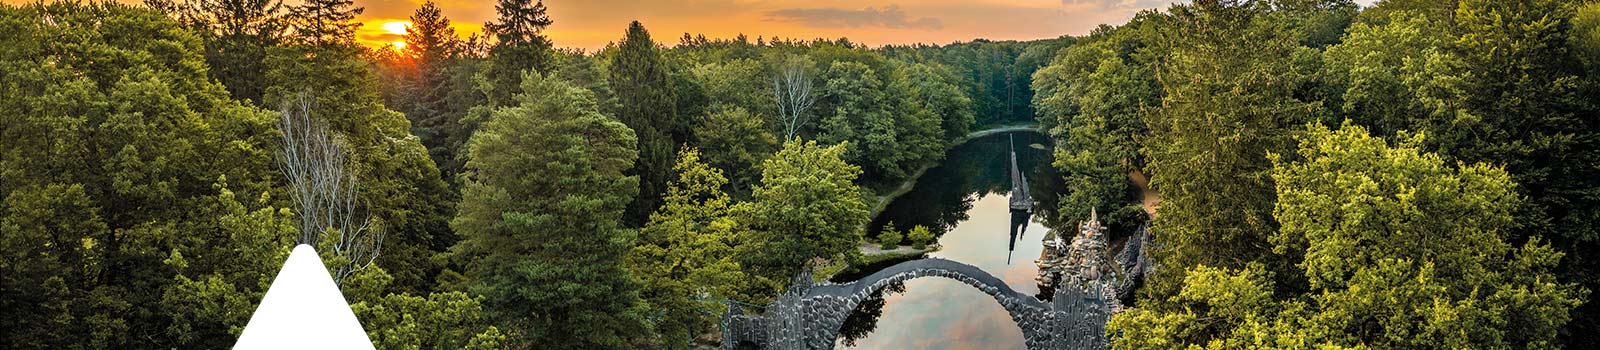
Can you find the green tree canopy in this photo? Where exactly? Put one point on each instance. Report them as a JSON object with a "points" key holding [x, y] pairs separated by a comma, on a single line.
{"points": [[736, 141], [541, 217], [1092, 98], [1229, 83], [119, 226], [1401, 251], [641, 80], [807, 206], [520, 46], [686, 253]]}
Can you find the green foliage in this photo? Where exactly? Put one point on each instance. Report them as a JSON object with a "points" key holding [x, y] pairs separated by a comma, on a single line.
{"points": [[324, 24], [546, 251], [889, 137], [521, 47], [939, 92], [1091, 99], [920, 236], [237, 34], [426, 70], [1526, 110], [584, 71], [227, 272], [736, 82], [1384, 225], [859, 114], [1229, 99], [1218, 308], [888, 237], [1390, 258], [446, 320], [119, 227], [807, 206], [686, 253], [397, 178], [1487, 81], [1394, 74], [995, 75], [1585, 39], [645, 94], [430, 41], [736, 141]]}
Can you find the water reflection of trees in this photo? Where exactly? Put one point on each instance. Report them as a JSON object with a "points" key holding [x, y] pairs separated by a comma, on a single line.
{"points": [[943, 196], [864, 319]]}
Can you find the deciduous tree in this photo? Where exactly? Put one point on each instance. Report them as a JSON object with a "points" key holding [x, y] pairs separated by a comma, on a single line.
{"points": [[685, 254], [1401, 251], [807, 206]]}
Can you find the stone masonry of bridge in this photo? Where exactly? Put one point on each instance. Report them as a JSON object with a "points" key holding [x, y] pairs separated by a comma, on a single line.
{"points": [[809, 315]]}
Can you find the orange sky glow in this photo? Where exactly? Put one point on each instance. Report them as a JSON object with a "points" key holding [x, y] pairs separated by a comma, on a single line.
{"points": [[591, 24]]}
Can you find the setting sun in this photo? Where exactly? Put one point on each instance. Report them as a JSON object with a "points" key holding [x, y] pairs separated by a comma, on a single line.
{"points": [[396, 27], [398, 44]]}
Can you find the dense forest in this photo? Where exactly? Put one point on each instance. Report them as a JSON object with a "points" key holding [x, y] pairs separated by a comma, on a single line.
{"points": [[1418, 174]]}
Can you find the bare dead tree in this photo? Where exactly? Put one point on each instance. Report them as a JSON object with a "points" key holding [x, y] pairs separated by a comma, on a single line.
{"points": [[323, 183], [791, 87]]}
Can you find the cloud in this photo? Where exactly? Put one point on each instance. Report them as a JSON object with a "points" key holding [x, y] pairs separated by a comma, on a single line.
{"points": [[830, 17]]}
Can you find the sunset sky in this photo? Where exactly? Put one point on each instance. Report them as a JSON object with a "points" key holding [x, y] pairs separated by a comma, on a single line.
{"points": [[591, 24]]}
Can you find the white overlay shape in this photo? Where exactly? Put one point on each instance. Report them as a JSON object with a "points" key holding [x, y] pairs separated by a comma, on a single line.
{"points": [[303, 310]]}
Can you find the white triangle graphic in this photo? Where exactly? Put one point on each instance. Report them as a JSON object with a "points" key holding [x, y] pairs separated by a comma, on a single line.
{"points": [[303, 310]]}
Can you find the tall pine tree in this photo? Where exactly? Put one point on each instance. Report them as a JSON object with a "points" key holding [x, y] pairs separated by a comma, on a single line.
{"points": [[431, 52], [644, 89], [325, 23], [519, 46]]}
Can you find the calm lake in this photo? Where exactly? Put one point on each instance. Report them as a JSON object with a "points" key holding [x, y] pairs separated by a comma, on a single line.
{"points": [[965, 200]]}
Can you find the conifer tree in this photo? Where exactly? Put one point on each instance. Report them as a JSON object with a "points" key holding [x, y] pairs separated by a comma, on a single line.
{"points": [[546, 251], [639, 77], [520, 45], [325, 23], [431, 52]]}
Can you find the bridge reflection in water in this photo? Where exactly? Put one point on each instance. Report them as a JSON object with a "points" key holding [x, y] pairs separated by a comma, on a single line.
{"points": [[809, 315], [965, 202]]}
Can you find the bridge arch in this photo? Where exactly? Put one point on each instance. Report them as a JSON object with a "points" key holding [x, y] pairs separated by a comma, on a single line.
{"points": [[1023, 308], [810, 315]]}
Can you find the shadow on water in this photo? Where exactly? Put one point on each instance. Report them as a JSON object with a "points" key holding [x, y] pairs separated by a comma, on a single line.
{"points": [[972, 175]]}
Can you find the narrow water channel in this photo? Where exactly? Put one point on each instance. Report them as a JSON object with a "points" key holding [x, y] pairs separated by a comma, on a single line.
{"points": [[965, 200]]}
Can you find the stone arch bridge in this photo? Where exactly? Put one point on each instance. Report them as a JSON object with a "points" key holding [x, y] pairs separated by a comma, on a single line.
{"points": [[809, 315]]}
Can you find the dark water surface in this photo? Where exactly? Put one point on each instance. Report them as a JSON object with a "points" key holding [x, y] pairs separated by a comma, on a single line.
{"points": [[965, 200]]}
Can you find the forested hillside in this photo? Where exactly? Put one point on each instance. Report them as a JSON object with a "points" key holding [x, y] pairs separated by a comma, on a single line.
{"points": [[1413, 174]]}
